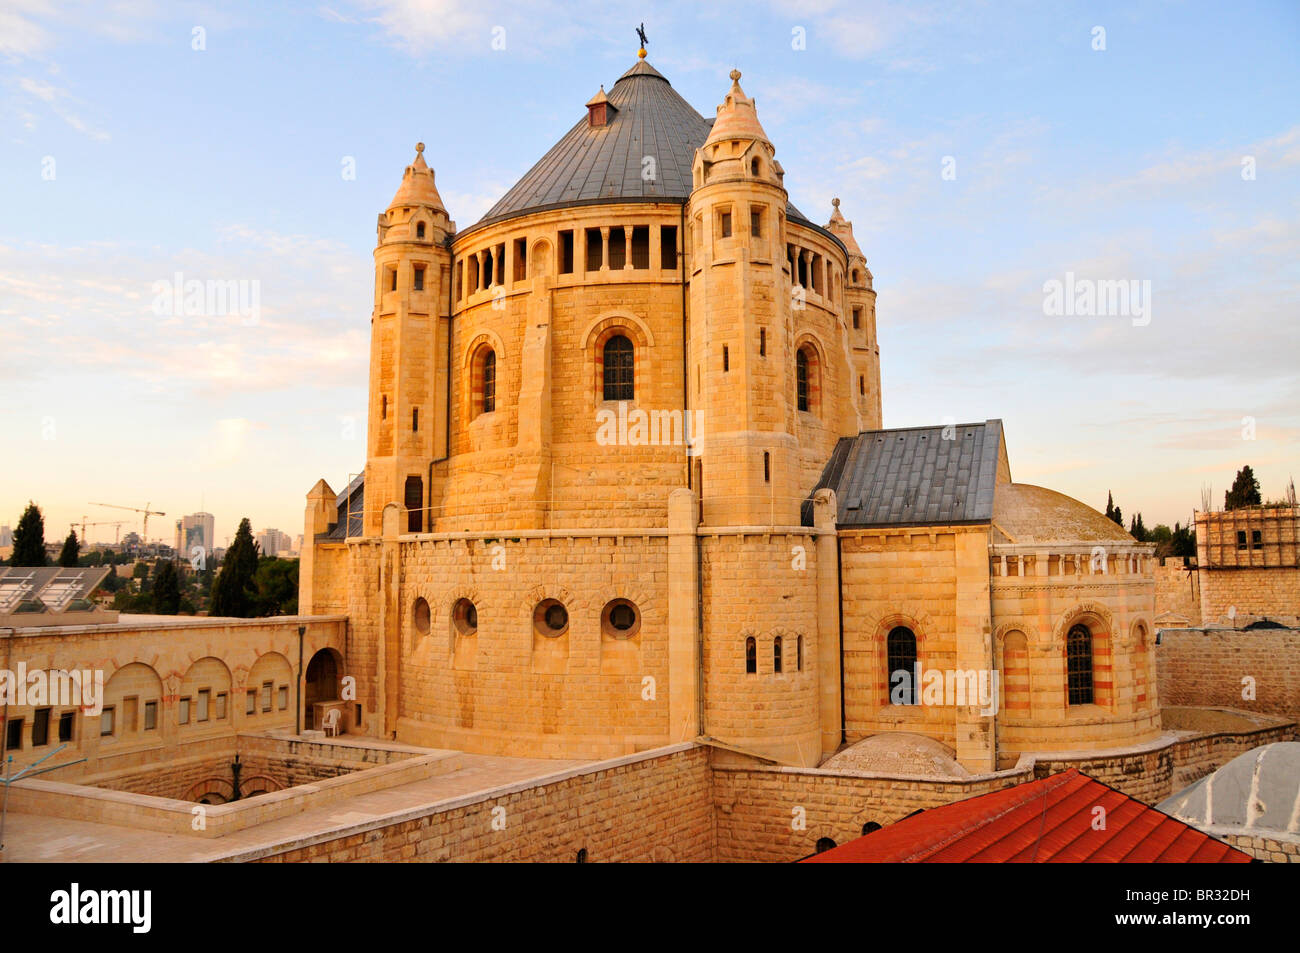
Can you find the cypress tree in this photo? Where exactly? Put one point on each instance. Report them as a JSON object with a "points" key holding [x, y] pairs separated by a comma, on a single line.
{"points": [[167, 590], [29, 538], [71, 550], [233, 592]]}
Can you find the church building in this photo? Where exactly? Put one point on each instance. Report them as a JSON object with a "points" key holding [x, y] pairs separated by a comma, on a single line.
{"points": [[626, 484]]}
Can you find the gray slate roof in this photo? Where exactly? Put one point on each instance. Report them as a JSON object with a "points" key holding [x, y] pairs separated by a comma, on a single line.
{"points": [[592, 166], [914, 477]]}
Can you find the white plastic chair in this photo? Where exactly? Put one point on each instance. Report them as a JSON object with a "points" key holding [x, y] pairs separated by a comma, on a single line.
{"points": [[331, 723]]}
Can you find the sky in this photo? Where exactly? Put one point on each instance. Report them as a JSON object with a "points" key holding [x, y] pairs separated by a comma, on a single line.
{"points": [[982, 151]]}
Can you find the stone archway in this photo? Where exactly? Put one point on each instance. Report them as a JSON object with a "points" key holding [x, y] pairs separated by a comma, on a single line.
{"points": [[321, 683]]}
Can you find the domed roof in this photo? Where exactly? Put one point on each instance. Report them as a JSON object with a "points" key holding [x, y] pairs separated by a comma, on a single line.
{"points": [[1258, 790], [1034, 514], [594, 165], [898, 752]]}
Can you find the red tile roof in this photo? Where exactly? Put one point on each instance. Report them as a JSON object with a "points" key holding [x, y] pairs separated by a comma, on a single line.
{"points": [[1048, 820]]}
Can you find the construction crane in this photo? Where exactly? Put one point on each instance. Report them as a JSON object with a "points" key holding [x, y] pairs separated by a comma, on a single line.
{"points": [[118, 524], [144, 529]]}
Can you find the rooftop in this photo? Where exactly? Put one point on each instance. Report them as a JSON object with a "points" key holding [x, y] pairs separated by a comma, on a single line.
{"points": [[604, 164], [916, 476], [1050, 820]]}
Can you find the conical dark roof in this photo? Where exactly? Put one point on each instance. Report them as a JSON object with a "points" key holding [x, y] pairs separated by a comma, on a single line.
{"points": [[596, 165]]}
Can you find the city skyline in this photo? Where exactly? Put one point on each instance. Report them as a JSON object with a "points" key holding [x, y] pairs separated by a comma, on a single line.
{"points": [[256, 163]]}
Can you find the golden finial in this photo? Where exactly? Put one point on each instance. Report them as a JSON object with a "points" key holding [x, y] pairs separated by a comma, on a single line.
{"points": [[735, 76], [419, 147], [835, 202]]}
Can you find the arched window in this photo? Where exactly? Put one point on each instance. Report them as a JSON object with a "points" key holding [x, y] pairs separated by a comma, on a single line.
{"points": [[900, 651], [825, 844], [870, 827], [618, 368], [751, 656], [776, 655], [489, 381], [1078, 658], [801, 378], [419, 230], [754, 167]]}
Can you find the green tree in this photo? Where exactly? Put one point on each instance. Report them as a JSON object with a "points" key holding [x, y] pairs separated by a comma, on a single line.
{"points": [[1244, 491], [1183, 542], [29, 538], [1137, 530], [277, 587], [71, 550], [167, 589], [1110, 506], [234, 593]]}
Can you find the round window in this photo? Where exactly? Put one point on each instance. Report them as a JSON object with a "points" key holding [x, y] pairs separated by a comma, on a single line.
{"points": [[551, 619], [620, 620], [421, 616], [464, 616]]}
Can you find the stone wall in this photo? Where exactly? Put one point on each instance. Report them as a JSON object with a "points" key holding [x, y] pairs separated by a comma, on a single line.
{"points": [[649, 807], [1207, 668], [149, 666], [774, 814], [1178, 592], [1250, 594], [507, 687]]}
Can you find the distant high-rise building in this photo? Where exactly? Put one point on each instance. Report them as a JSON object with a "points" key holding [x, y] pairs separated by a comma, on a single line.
{"points": [[6, 536], [273, 542], [198, 529]]}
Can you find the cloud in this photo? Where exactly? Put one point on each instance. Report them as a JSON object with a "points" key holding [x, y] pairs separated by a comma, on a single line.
{"points": [[20, 35]]}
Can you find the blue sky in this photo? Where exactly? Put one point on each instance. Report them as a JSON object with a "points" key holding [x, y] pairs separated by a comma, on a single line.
{"points": [[128, 155]]}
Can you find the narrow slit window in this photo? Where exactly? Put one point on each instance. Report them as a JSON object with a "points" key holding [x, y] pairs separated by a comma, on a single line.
{"points": [[762, 342], [751, 656], [767, 467], [566, 252], [777, 661], [415, 420], [641, 246], [617, 247], [668, 247], [521, 259], [726, 358], [418, 278], [756, 222]]}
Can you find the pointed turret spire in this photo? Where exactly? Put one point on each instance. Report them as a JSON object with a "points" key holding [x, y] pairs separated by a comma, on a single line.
{"points": [[737, 116], [842, 229], [417, 186]]}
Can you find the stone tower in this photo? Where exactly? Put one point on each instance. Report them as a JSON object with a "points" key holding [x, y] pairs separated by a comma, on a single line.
{"points": [[741, 346], [860, 314], [407, 413]]}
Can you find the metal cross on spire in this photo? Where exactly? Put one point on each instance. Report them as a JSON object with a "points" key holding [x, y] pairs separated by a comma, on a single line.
{"points": [[640, 32]]}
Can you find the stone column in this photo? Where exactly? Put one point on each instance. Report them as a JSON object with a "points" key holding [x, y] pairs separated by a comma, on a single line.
{"points": [[627, 247], [976, 733], [604, 248], [683, 618], [390, 630], [829, 659]]}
